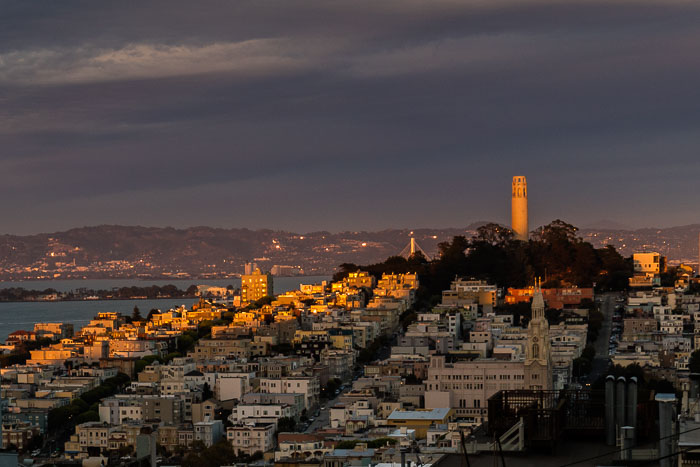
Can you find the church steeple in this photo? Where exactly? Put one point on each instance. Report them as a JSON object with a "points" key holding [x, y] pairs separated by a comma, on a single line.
{"points": [[538, 368], [537, 302]]}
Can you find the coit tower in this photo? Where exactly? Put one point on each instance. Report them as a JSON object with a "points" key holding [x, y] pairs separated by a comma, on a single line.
{"points": [[519, 208]]}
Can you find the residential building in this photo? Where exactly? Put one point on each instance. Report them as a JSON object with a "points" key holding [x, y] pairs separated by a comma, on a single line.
{"points": [[256, 286]]}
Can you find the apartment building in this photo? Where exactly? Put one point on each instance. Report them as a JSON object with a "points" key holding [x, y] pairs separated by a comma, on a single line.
{"points": [[209, 431], [261, 413], [256, 286], [467, 385], [249, 439], [308, 386]]}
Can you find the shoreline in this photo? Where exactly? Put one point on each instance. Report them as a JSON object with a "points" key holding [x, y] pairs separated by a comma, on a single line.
{"points": [[165, 279], [104, 299], [60, 290]]}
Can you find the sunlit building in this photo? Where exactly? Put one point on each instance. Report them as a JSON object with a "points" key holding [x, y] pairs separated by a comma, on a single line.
{"points": [[256, 286]]}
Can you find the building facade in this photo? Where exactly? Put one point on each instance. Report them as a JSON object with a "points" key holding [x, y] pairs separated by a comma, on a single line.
{"points": [[256, 286]]}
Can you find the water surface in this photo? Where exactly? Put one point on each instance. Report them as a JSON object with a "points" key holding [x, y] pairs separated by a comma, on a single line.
{"points": [[23, 315]]}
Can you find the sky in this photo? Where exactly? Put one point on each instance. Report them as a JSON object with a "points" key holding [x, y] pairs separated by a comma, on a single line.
{"points": [[347, 115]]}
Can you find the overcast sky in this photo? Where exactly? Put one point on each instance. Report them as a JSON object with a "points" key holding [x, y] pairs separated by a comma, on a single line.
{"points": [[347, 115]]}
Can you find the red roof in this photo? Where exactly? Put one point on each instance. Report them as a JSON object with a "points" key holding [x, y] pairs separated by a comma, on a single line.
{"points": [[21, 333]]}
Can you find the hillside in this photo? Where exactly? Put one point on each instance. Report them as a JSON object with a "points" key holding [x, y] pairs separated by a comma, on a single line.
{"points": [[119, 251], [111, 251]]}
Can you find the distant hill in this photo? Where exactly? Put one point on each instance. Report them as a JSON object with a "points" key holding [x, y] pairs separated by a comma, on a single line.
{"points": [[112, 251], [606, 224], [678, 244]]}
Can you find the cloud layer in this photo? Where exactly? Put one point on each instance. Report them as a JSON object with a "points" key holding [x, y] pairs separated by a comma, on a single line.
{"points": [[347, 115]]}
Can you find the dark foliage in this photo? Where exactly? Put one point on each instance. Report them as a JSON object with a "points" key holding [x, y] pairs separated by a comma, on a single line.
{"points": [[286, 425], [19, 294], [554, 252], [81, 409]]}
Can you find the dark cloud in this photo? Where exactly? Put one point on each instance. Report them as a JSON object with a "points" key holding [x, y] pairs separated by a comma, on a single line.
{"points": [[335, 115]]}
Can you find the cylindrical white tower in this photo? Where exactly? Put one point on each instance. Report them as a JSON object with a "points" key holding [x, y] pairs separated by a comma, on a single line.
{"points": [[519, 208]]}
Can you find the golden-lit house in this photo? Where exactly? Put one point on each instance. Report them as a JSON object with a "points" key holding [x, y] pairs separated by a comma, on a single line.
{"points": [[398, 281], [360, 279], [420, 420]]}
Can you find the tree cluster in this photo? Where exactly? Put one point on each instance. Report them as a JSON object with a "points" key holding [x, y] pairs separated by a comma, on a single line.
{"points": [[286, 425], [554, 252], [143, 362], [584, 364], [369, 353], [85, 408], [221, 453], [328, 391], [20, 294]]}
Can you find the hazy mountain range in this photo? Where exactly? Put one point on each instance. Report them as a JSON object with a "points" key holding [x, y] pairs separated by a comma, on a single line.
{"points": [[111, 251]]}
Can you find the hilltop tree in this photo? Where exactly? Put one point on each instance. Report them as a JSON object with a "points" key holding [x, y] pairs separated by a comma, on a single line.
{"points": [[494, 234], [557, 231], [554, 251]]}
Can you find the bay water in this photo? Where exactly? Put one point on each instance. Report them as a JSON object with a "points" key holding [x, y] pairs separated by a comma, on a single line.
{"points": [[23, 315]]}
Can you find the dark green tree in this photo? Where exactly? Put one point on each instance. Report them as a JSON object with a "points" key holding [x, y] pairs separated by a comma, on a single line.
{"points": [[694, 362], [494, 234], [286, 425], [151, 313], [207, 393]]}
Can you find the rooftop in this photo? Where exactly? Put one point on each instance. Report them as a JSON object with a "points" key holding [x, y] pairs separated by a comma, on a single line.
{"points": [[434, 414], [689, 434]]}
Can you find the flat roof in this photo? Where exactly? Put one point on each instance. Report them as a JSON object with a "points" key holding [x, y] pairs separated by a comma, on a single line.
{"points": [[689, 433], [352, 452], [434, 414]]}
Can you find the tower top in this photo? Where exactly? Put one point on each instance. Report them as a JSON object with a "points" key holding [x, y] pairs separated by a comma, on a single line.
{"points": [[519, 187]]}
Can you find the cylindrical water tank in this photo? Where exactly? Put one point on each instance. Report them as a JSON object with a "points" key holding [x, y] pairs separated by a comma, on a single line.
{"points": [[610, 410], [620, 404]]}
